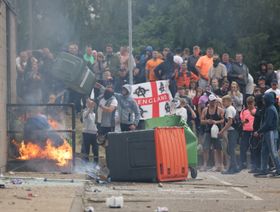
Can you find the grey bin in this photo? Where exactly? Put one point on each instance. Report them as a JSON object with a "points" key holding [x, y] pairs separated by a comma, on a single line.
{"points": [[73, 72]]}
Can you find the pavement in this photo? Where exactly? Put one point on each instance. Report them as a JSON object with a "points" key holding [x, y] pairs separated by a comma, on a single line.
{"points": [[211, 191]]}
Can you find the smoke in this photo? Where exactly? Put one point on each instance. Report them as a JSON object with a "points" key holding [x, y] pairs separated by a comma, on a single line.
{"points": [[52, 27]]}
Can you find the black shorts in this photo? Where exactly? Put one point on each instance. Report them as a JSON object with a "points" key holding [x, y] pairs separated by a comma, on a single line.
{"points": [[208, 142]]}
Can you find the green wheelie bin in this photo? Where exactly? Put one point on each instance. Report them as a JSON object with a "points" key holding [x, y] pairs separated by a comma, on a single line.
{"points": [[170, 121], [73, 72]]}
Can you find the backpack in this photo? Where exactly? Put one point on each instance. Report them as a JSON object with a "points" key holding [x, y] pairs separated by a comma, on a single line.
{"points": [[236, 122]]}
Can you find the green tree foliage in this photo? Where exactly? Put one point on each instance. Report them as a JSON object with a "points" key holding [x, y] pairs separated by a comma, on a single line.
{"points": [[251, 26]]}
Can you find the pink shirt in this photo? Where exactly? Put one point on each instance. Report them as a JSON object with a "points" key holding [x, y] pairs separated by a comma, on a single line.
{"points": [[246, 114]]}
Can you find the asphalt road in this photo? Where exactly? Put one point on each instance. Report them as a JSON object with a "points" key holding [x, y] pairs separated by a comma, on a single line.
{"points": [[209, 192]]}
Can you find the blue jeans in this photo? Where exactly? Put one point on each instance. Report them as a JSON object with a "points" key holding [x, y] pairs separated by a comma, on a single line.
{"points": [[232, 142], [244, 146], [269, 147], [248, 141]]}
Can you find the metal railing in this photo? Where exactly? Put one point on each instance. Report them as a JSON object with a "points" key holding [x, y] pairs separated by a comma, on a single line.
{"points": [[22, 109]]}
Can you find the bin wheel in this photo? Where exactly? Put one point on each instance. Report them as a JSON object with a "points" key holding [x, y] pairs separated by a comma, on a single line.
{"points": [[193, 172]]}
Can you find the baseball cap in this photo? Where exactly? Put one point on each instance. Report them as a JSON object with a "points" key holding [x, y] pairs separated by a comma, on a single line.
{"points": [[212, 97], [274, 81], [177, 59], [261, 78]]}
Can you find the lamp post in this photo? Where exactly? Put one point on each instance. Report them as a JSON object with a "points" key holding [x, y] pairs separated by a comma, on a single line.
{"points": [[130, 65]]}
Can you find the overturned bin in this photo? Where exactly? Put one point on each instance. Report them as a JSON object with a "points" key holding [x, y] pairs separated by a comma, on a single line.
{"points": [[131, 156], [191, 139]]}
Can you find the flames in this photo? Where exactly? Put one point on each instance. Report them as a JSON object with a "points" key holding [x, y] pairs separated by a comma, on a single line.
{"points": [[61, 154], [54, 124], [30, 150]]}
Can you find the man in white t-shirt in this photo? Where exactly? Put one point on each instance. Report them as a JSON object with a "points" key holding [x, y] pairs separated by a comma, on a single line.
{"points": [[230, 113], [274, 88], [180, 109]]}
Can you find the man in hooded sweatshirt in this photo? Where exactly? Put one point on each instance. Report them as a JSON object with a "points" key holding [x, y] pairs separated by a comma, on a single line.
{"points": [[268, 128], [128, 109]]}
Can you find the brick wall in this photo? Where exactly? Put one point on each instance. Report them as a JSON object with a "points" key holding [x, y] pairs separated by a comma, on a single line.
{"points": [[5, 14], [3, 86], [12, 57]]}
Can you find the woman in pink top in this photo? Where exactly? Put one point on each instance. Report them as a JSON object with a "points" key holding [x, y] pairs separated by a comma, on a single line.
{"points": [[247, 120]]}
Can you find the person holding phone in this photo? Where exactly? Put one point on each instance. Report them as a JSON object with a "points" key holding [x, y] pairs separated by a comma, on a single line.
{"points": [[247, 120]]}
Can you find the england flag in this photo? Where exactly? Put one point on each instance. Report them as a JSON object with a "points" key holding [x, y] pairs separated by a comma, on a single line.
{"points": [[153, 98]]}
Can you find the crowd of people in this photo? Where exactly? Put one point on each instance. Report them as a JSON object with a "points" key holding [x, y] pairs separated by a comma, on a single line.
{"points": [[225, 103]]}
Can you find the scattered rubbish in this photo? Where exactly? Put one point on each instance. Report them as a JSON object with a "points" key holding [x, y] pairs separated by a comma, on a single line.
{"points": [[124, 189], [96, 190], [160, 185], [99, 174], [101, 182], [23, 178], [32, 195], [162, 209], [114, 202], [89, 209], [58, 180], [96, 200], [23, 198], [2, 184], [17, 181]]}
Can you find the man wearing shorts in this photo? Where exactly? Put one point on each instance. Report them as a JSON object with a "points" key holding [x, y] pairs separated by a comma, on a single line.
{"points": [[212, 115]]}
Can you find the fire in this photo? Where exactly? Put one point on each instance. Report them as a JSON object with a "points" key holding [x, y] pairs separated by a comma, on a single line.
{"points": [[61, 154], [54, 124]]}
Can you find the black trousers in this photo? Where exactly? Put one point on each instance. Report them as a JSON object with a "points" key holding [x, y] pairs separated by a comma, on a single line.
{"points": [[125, 127], [104, 130], [89, 139]]}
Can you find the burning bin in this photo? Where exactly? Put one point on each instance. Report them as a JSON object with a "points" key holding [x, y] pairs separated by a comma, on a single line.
{"points": [[73, 72], [37, 141]]}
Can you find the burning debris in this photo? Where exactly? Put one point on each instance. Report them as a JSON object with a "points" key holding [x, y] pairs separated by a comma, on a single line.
{"points": [[61, 154], [41, 143]]}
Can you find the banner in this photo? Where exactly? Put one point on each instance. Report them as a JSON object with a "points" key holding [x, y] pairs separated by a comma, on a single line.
{"points": [[153, 98]]}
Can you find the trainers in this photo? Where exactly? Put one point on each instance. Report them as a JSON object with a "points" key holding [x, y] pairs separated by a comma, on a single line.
{"points": [[275, 174], [230, 171], [261, 174]]}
